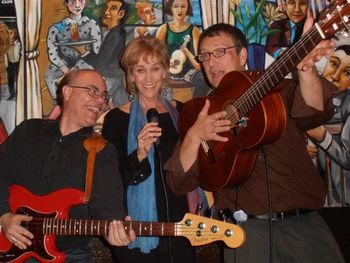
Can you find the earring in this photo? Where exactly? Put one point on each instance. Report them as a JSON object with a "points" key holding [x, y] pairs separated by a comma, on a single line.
{"points": [[164, 92], [132, 93]]}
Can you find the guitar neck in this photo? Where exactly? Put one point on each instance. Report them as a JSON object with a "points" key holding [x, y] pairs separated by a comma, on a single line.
{"points": [[87, 227], [277, 71]]}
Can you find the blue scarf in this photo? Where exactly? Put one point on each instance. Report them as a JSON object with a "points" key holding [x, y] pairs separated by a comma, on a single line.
{"points": [[141, 198]]}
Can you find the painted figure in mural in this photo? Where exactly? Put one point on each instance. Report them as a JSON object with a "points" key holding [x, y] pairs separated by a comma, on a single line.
{"points": [[145, 12], [106, 60], [62, 35], [281, 199], [44, 156], [13, 56], [5, 44], [146, 64], [289, 29], [181, 39], [333, 138]]}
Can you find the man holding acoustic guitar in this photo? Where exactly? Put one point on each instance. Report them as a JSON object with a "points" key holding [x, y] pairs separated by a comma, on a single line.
{"points": [[246, 143], [48, 156]]}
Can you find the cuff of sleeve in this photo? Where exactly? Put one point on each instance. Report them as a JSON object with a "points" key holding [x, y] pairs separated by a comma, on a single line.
{"points": [[324, 144], [85, 54]]}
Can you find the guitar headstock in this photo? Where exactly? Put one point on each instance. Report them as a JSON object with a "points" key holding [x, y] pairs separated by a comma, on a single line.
{"points": [[187, 38], [201, 230], [336, 19]]}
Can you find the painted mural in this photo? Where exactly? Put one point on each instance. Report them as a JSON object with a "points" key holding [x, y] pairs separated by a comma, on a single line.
{"points": [[72, 34]]}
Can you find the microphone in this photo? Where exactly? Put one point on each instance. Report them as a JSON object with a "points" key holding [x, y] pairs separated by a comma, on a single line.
{"points": [[153, 116]]}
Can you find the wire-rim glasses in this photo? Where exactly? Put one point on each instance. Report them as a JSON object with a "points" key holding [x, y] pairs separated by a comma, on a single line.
{"points": [[219, 52], [94, 92]]}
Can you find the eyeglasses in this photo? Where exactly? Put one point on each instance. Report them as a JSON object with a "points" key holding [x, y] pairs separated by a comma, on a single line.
{"points": [[219, 52], [94, 92]]}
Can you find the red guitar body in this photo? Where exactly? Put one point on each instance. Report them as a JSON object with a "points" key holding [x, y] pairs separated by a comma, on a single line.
{"points": [[53, 205], [231, 162]]}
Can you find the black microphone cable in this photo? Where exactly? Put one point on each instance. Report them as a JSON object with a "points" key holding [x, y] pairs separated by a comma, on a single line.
{"points": [[153, 116]]}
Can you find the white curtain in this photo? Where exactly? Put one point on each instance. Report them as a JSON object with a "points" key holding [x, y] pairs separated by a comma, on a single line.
{"points": [[216, 11], [29, 102]]}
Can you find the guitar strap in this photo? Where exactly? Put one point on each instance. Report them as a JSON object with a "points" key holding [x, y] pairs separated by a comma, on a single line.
{"points": [[93, 145]]}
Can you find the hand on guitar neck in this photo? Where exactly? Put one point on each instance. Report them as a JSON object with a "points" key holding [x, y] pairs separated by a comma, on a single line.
{"points": [[49, 217]]}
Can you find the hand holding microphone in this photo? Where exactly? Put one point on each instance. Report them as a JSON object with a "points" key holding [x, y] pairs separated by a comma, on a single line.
{"points": [[150, 134]]}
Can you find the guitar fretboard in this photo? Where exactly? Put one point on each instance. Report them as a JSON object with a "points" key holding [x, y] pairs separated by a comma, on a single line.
{"points": [[52, 226], [277, 71]]}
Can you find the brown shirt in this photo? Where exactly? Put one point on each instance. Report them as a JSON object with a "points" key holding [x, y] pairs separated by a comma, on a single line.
{"points": [[294, 180]]}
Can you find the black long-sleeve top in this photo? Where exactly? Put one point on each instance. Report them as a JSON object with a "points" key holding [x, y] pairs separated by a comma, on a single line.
{"points": [[39, 158], [115, 129]]}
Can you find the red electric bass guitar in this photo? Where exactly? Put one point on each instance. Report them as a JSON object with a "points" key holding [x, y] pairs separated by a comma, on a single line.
{"points": [[50, 219], [261, 114]]}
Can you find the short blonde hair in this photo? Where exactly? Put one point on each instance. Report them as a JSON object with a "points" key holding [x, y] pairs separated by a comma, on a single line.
{"points": [[143, 47]]}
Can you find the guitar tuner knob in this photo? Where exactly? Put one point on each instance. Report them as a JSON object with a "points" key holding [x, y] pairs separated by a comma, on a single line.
{"points": [[228, 232], [201, 225], [188, 222], [214, 229]]}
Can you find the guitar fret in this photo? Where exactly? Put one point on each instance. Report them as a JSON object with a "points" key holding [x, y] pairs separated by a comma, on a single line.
{"points": [[61, 226], [162, 229], [49, 230], [55, 226], [151, 229], [80, 227], [98, 227], [44, 226], [106, 227], [140, 227], [70, 227], [86, 222], [75, 225]]}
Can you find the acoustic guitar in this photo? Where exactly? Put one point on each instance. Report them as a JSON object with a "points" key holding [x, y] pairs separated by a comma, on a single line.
{"points": [[50, 214], [253, 102]]}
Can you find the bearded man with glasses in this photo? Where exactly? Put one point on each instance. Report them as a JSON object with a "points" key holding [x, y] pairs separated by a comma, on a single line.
{"points": [[48, 155]]}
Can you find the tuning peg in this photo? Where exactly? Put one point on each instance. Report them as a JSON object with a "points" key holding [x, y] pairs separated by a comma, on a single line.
{"points": [[226, 214]]}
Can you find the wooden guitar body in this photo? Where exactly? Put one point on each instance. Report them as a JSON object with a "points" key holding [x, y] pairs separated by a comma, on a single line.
{"points": [[253, 101], [232, 161]]}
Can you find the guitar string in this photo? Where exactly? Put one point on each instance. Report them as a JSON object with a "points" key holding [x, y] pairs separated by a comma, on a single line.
{"points": [[245, 98], [294, 51], [38, 224], [260, 83]]}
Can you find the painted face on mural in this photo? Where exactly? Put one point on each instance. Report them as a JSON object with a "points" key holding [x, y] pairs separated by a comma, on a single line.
{"points": [[337, 70], [75, 7], [112, 14], [296, 10], [148, 16], [179, 9]]}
